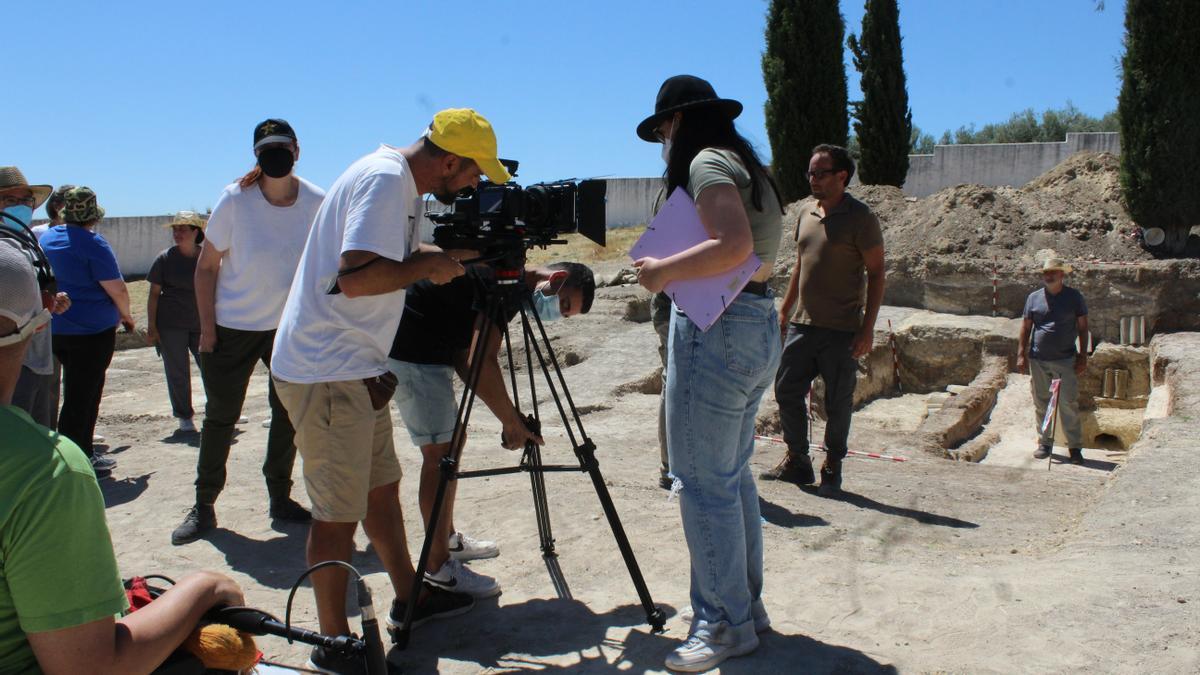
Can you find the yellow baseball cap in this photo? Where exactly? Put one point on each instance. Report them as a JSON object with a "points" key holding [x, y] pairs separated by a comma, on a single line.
{"points": [[466, 133]]}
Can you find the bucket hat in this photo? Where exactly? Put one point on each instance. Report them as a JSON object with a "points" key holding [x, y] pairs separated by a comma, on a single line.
{"points": [[79, 206]]}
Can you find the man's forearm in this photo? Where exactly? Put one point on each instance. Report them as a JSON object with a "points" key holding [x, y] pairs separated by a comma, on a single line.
{"points": [[875, 284], [493, 393], [384, 275], [789, 296]]}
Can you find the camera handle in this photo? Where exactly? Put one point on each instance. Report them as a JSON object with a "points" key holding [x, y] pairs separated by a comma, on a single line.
{"points": [[498, 299]]}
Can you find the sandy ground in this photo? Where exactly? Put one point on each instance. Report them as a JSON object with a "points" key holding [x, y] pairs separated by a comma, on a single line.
{"points": [[923, 566]]}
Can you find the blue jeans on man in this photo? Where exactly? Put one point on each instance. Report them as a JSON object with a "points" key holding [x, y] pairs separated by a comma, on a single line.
{"points": [[715, 381]]}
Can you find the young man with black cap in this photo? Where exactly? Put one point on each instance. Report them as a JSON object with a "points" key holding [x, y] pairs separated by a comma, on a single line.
{"points": [[331, 351], [438, 330], [253, 243]]}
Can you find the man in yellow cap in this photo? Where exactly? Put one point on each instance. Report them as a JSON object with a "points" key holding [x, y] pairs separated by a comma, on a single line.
{"points": [[332, 344]]}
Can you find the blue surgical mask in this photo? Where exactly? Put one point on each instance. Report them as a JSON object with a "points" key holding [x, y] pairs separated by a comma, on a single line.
{"points": [[20, 212], [546, 306]]}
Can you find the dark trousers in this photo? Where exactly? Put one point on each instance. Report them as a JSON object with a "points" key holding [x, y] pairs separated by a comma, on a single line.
{"points": [[38, 396], [226, 373], [84, 360], [175, 345], [810, 351]]}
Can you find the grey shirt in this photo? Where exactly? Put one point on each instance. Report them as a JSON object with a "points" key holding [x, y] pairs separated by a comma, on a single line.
{"points": [[39, 355], [175, 272], [1054, 320]]}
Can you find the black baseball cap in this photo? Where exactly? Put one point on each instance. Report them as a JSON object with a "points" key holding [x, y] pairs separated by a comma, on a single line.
{"points": [[273, 131]]}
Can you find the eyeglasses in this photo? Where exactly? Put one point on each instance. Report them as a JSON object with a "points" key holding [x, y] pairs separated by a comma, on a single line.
{"points": [[820, 173], [9, 200]]}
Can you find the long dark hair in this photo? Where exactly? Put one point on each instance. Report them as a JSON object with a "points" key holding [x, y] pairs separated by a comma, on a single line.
{"points": [[707, 127]]}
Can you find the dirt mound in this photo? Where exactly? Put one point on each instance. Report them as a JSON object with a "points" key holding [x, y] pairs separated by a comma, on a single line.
{"points": [[1074, 210]]}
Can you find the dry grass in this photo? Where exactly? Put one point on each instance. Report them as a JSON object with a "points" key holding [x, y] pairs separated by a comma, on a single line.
{"points": [[138, 292], [579, 249]]}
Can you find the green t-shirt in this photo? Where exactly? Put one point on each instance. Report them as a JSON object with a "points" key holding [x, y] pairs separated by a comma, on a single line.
{"points": [[57, 568], [714, 166]]}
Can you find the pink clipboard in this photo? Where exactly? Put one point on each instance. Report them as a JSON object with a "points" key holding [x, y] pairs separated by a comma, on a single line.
{"points": [[676, 228]]}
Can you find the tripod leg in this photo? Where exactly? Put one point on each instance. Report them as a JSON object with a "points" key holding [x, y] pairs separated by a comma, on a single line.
{"points": [[586, 452], [537, 480]]}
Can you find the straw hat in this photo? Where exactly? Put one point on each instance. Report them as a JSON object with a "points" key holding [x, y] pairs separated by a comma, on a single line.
{"points": [[189, 218], [11, 177], [1056, 265]]}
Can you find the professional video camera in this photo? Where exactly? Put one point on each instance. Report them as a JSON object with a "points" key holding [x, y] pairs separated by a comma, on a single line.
{"points": [[497, 219]]}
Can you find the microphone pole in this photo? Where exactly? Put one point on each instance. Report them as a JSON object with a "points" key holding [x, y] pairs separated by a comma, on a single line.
{"points": [[373, 650]]}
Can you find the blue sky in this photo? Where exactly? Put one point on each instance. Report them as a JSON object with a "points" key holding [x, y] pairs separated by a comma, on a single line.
{"points": [[153, 103]]}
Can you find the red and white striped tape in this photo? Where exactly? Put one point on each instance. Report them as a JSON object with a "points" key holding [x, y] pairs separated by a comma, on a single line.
{"points": [[895, 358], [821, 447]]}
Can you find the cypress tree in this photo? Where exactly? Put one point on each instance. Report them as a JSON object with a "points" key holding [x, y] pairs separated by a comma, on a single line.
{"points": [[883, 121], [805, 79], [1159, 111]]}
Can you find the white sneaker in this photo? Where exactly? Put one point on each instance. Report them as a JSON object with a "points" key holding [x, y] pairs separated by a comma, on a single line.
{"points": [[457, 577], [97, 438], [243, 419], [266, 424], [186, 425], [762, 622], [463, 547], [702, 651]]}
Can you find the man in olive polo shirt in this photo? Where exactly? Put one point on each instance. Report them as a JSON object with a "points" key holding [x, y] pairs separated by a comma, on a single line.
{"points": [[826, 326]]}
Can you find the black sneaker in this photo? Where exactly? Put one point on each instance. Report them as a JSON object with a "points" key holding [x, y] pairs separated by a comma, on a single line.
{"points": [[324, 661], [288, 509], [1042, 452], [797, 469], [438, 604], [1076, 455], [200, 519], [831, 479]]}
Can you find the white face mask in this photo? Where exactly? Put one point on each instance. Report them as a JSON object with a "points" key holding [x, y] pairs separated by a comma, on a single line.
{"points": [[666, 146]]}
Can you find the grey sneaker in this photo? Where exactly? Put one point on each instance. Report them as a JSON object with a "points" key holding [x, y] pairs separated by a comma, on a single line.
{"points": [[1042, 452], [704, 651], [199, 520]]}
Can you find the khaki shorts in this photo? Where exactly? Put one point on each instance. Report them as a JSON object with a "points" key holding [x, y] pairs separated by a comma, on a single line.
{"points": [[345, 443]]}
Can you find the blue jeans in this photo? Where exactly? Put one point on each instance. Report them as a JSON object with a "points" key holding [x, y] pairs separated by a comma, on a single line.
{"points": [[715, 380]]}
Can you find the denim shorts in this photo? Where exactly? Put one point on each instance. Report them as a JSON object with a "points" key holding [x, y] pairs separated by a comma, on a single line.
{"points": [[425, 397]]}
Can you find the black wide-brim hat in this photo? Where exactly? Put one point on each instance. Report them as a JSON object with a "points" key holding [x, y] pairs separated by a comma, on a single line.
{"points": [[681, 93]]}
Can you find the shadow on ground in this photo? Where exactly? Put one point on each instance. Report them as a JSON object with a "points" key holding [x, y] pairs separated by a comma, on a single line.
{"points": [[923, 517], [781, 517], [514, 638], [117, 492]]}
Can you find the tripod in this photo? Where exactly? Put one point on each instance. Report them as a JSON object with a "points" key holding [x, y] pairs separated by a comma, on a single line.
{"points": [[508, 291]]}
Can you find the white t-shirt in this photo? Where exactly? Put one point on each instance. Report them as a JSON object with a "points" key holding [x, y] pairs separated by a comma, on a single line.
{"points": [[262, 244], [373, 206]]}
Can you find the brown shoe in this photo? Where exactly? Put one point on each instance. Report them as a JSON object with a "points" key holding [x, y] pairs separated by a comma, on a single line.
{"points": [[1042, 452], [831, 479], [795, 469]]}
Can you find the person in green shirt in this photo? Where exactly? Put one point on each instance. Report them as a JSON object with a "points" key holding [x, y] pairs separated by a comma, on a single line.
{"points": [[60, 593]]}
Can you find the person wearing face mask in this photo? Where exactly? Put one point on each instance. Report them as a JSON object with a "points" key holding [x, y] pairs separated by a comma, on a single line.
{"points": [[37, 388], [716, 378], [439, 326], [172, 323], [255, 236], [330, 358]]}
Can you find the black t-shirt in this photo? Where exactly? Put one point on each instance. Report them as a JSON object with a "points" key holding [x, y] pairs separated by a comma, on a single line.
{"points": [[175, 271], [439, 320]]}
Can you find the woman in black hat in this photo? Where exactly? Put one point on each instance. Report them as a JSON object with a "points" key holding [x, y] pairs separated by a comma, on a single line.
{"points": [[716, 378]]}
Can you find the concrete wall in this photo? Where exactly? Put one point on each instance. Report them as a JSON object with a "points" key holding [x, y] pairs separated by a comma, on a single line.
{"points": [[997, 164]]}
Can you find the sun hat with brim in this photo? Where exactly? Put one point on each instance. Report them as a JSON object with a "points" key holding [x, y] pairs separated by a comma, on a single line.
{"points": [[189, 218], [79, 206], [683, 92], [1057, 265], [466, 133], [11, 177]]}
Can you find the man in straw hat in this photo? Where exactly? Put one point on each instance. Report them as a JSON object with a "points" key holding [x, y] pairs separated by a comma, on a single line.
{"points": [[1056, 315], [60, 590], [330, 354]]}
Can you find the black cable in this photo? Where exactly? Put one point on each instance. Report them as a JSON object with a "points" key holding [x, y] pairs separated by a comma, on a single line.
{"points": [[287, 615]]}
